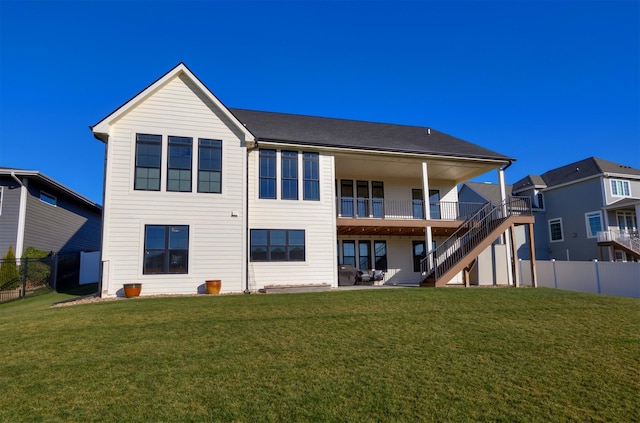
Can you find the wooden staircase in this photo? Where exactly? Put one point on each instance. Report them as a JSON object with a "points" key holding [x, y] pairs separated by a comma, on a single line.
{"points": [[460, 251]]}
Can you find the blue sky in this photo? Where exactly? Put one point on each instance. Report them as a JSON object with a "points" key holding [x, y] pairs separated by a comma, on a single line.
{"points": [[546, 82]]}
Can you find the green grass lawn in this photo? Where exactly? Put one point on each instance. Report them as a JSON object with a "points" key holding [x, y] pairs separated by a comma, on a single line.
{"points": [[392, 355]]}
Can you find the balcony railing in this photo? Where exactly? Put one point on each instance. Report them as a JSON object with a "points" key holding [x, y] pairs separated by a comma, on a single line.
{"points": [[627, 238], [379, 208]]}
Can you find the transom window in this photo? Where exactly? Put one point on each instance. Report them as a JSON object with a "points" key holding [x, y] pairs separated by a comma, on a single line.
{"points": [[179, 166], [555, 230], [209, 166], [620, 188], [277, 245], [148, 153], [166, 249], [594, 224]]}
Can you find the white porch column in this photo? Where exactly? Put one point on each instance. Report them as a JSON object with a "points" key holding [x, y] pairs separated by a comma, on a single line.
{"points": [[507, 236], [427, 209]]}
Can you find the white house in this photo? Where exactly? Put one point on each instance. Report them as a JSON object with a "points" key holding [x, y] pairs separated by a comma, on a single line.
{"points": [[195, 190]]}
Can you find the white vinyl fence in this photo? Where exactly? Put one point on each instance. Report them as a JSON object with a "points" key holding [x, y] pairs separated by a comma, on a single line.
{"points": [[610, 278], [89, 267]]}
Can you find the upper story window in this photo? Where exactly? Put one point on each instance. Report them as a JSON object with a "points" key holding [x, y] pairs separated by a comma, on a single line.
{"points": [[555, 230], [209, 166], [48, 198], [267, 174], [166, 249], [594, 223], [538, 201], [620, 188], [148, 153], [289, 163], [311, 190], [179, 164]]}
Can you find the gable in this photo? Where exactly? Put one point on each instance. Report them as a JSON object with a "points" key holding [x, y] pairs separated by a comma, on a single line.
{"points": [[173, 93]]}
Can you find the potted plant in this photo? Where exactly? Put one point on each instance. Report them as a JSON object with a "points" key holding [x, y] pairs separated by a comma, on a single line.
{"points": [[213, 286], [132, 289]]}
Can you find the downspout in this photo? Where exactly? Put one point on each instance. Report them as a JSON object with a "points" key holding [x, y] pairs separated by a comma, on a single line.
{"points": [[22, 215], [246, 217]]}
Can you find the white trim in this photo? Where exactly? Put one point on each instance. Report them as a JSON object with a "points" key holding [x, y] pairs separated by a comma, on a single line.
{"points": [[1, 195]]}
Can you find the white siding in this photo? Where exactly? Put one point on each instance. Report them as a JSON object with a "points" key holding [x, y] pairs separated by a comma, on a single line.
{"points": [[216, 221], [316, 218]]}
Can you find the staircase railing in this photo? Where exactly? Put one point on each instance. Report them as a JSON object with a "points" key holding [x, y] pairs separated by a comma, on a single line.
{"points": [[627, 238], [471, 233]]}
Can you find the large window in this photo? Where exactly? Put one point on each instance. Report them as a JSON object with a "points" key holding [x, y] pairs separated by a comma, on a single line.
{"points": [[179, 166], [620, 188], [166, 249], [364, 255], [555, 230], [380, 255], [277, 245], [209, 166], [538, 201], [311, 188], [267, 173], [148, 152], [289, 163], [594, 224]]}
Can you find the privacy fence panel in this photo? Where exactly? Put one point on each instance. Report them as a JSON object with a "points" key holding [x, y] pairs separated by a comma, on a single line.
{"points": [[611, 278]]}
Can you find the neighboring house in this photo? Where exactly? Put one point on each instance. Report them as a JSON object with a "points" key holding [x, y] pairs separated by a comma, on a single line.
{"points": [[585, 210], [195, 190], [36, 211]]}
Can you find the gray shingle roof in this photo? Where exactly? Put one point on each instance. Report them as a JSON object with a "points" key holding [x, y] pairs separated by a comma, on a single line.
{"points": [[585, 168], [331, 132], [489, 191]]}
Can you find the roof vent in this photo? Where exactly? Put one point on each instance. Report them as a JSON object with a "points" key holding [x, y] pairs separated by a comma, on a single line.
{"points": [[428, 131]]}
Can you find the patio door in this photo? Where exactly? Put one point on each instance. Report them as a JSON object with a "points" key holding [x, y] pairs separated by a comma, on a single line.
{"points": [[346, 197], [362, 191], [417, 202], [627, 222], [377, 198], [434, 203]]}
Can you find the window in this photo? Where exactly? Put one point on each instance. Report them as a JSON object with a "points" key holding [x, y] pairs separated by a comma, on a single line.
{"points": [[349, 252], [179, 166], [380, 255], [620, 188], [166, 249], [346, 194], [267, 173], [311, 187], [362, 193], [48, 198], [555, 230], [418, 203], [364, 255], [277, 245], [594, 224], [419, 253], [209, 166], [148, 152], [289, 163], [538, 201]]}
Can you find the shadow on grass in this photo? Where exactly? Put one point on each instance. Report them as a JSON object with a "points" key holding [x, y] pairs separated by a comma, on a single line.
{"points": [[87, 289]]}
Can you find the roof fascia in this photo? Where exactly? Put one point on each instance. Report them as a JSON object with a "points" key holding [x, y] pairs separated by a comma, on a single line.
{"points": [[101, 129], [621, 176]]}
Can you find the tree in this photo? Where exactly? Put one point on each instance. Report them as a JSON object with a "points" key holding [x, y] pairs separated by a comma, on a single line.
{"points": [[9, 274]]}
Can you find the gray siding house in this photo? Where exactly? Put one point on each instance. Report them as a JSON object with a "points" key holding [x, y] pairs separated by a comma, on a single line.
{"points": [[583, 211], [36, 211]]}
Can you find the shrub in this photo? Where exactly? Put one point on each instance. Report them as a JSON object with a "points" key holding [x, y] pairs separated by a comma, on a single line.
{"points": [[9, 274], [37, 266]]}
